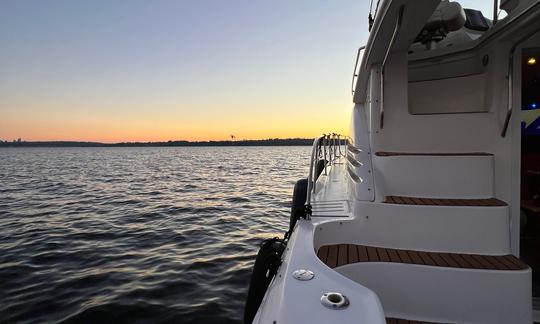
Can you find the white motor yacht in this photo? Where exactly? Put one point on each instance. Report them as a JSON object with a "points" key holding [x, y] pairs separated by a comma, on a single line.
{"points": [[419, 214]]}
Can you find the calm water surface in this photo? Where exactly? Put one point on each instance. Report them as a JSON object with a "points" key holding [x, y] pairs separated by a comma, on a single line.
{"points": [[130, 235]]}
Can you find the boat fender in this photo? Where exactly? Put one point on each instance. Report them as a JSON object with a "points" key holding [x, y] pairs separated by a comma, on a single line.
{"points": [[298, 208], [319, 168], [266, 266]]}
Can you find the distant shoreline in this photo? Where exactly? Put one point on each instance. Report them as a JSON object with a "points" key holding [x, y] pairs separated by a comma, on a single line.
{"points": [[266, 142]]}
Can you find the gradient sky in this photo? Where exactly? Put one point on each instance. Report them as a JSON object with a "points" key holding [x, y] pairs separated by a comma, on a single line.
{"points": [[141, 70], [159, 70]]}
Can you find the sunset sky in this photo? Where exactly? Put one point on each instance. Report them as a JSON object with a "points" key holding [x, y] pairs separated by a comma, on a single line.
{"points": [[138, 70], [175, 69]]}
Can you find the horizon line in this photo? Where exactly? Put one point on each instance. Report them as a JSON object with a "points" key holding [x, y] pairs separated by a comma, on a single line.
{"points": [[170, 143], [20, 140]]}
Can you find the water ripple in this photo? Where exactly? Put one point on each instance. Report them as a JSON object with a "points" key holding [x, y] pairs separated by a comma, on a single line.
{"points": [[125, 235]]}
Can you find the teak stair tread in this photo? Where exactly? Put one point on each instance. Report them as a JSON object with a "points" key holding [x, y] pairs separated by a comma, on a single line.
{"points": [[403, 200], [392, 320], [337, 255], [432, 154]]}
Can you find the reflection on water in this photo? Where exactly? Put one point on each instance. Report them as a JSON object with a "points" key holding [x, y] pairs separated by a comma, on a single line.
{"points": [[138, 234]]}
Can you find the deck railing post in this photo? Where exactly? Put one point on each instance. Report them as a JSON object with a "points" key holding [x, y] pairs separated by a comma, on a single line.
{"points": [[311, 176], [332, 149], [336, 155], [329, 144], [323, 145], [334, 146], [325, 160], [339, 145], [329, 141]]}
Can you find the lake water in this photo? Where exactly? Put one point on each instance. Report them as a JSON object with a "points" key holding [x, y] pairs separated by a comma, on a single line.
{"points": [[130, 235]]}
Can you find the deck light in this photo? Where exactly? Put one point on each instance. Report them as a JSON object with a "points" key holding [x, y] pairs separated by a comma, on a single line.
{"points": [[531, 60]]}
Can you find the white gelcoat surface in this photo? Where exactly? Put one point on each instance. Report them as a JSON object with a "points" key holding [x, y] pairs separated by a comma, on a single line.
{"points": [[480, 230], [414, 291], [434, 176], [447, 295], [292, 301]]}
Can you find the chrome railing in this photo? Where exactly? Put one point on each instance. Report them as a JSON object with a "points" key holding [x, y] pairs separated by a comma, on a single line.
{"points": [[355, 71], [329, 148], [383, 65]]}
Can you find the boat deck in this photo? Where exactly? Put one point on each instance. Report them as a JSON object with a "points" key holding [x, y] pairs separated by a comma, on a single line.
{"points": [[391, 320], [402, 200], [337, 255]]}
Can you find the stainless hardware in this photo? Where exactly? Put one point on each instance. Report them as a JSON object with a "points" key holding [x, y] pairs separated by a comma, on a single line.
{"points": [[327, 146], [303, 274], [355, 73], [334, 300], [388, 49]]}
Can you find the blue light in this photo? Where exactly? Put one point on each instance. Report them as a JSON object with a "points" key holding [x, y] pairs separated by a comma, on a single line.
{"points": [[533, 105]]}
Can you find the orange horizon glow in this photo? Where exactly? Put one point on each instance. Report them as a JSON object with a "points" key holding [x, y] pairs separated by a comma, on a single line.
{"points": [[134, 135], [115, 130], [161, 138]]}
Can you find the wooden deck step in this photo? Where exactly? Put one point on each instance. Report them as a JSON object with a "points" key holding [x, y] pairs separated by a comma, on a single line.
{"points": [[402, 200], [432, 154], [392, 320], [337, 255]]}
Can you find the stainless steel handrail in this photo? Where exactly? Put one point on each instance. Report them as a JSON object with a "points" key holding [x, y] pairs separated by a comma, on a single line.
{"points": [[331, 147], [510, 92], [329, 142], [311, 175], [355, 74], [339, 142], [325, 146], [388, 49]]}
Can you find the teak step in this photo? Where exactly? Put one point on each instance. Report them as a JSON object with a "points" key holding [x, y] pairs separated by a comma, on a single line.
{"points": [[402, 200], [392, 320], [337, 255], [432, 154]]}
